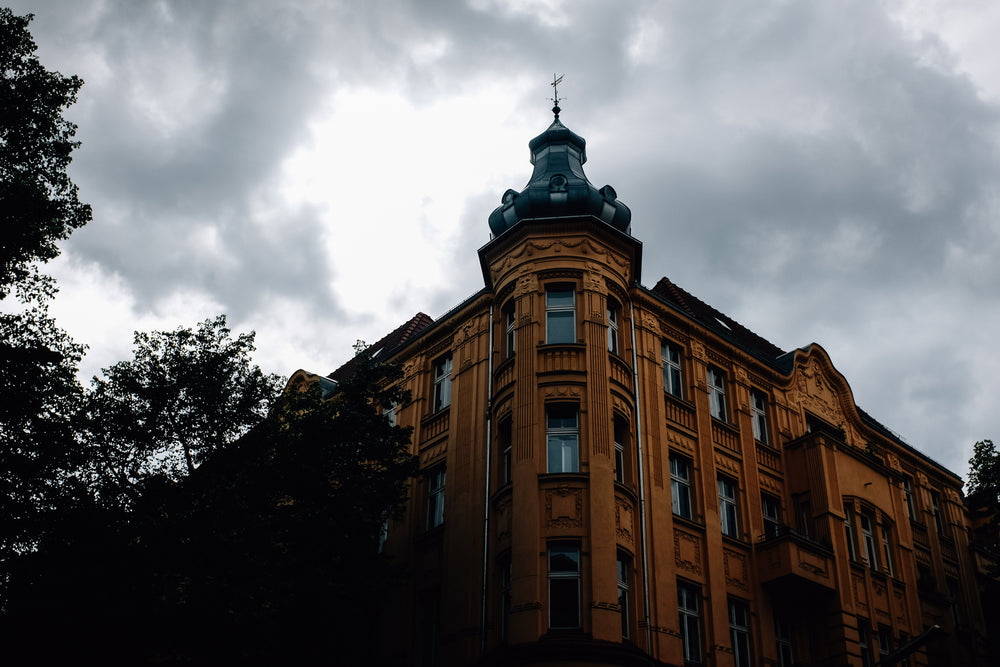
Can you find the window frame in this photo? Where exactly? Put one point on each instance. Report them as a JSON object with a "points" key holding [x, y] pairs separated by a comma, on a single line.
{"points": [[868, 537], [911, 508], [559, 576], [758, 416], [436, 480], [505, 436], [852, 551], [442, 382], [729, 506], [772, 520], [623, 567], [885, 529], [673, 372], [555, 312], [936, 506], [784, 639], [613, 312], [623, 461], [739, 633], [561, 434], [716, 380], [510, 329], [680, 486], [689, 610]]}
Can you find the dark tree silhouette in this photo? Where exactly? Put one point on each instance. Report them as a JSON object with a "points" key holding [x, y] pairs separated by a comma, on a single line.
{"points": [[38, 201], [186, 394]]}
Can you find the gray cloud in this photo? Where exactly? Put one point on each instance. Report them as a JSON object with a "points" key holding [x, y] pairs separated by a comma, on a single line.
{"points": [[812, 169]]}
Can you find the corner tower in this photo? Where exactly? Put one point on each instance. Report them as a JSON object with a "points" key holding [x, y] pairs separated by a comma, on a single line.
{"points": [[565, 491]]}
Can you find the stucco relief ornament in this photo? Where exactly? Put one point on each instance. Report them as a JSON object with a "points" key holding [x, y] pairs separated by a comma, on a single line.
{"points": [[592, 281], [411, 367], [698, 350], [526, 285], [821, 398]]}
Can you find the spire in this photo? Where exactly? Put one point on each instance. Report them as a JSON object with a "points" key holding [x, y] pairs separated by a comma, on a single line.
{"points": [[558, 185]]}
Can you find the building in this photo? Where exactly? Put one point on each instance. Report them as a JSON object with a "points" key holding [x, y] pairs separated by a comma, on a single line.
{"points": [[617, 475]]}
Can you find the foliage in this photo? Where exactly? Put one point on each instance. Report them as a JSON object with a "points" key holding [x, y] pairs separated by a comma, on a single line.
{"points": [[39, 399], [266, 553], [292, 514], [186, 394], [984, 473], [38, 201]]}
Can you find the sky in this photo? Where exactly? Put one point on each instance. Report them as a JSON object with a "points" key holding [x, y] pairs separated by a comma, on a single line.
{"points": [[320, 171]]}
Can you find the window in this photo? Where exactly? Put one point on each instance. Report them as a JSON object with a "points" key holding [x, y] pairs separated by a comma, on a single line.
{"points": [[383, 535], [612, 328], [504, 596], [953, 599], [624, 576], [390, 412], [435, 498], [783, 636], [849, 530], [771, 510], [506, 448], [563, 437], [680, 486], [509, 317], [739, 632], [803, 515], [865, 643], [936, 506], [442, 383], [867, 522], [621, 453], [727, 507], [717, 393], [886, 547], [688, 604], [560, 315], [758, 410], [884, 642], [672, 370], [908, 497], [564, 586]]}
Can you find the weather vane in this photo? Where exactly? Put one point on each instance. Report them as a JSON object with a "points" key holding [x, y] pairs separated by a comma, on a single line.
{"points": [[555, 93]]}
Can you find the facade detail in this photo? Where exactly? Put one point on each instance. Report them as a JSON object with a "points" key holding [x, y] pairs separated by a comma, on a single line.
{"points": [[619, 475]]}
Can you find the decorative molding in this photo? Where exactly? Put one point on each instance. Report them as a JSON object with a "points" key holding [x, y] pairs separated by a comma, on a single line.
{"points": [[680, 442], [698, 351], [564, 507], [527, 606], [736, 569], [610, 606], [621, 406], [687, 552], [624, 520], [726, 463], [526, 284], [562, 391]]}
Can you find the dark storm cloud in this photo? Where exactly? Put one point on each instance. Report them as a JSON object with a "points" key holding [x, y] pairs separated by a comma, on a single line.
{"points": [[809, 168]]}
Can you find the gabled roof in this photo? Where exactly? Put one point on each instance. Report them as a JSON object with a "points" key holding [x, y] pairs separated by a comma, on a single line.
{"points": [[718, 322], [388, 343]]}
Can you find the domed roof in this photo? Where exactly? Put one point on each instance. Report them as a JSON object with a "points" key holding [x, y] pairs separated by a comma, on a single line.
{"points": [[558, 186]]}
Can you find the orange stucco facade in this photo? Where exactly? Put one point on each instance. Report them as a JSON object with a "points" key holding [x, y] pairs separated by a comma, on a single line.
{"points": [[613, 475]]}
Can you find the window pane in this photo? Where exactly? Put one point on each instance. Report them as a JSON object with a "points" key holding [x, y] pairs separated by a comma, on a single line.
{"points": [[560, 298], [561, 327], [564, 603]]}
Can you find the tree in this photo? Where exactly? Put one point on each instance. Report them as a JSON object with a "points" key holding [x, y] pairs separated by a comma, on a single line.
{"points": [[39, 400], [38, 201], [271, 548], [984, 473], [186, 394]]}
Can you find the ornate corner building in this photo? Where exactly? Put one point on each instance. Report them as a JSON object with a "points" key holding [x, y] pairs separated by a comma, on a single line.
{"points": [[617, 475]]}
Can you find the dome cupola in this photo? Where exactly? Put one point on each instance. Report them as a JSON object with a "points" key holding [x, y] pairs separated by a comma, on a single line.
{"points": [[558, 187]]}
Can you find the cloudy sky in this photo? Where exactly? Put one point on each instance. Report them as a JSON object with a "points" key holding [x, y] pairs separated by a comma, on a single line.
{"points": [[320, 171]]}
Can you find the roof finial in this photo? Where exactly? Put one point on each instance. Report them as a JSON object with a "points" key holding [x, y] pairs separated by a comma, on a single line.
{"points": [[555, 94]]}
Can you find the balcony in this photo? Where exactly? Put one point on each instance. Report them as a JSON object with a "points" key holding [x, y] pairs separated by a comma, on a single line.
{"points": [[794, 564]]}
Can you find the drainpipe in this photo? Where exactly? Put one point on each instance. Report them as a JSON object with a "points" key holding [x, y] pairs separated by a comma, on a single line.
{"points": [[486, 486], [642, 481]]}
